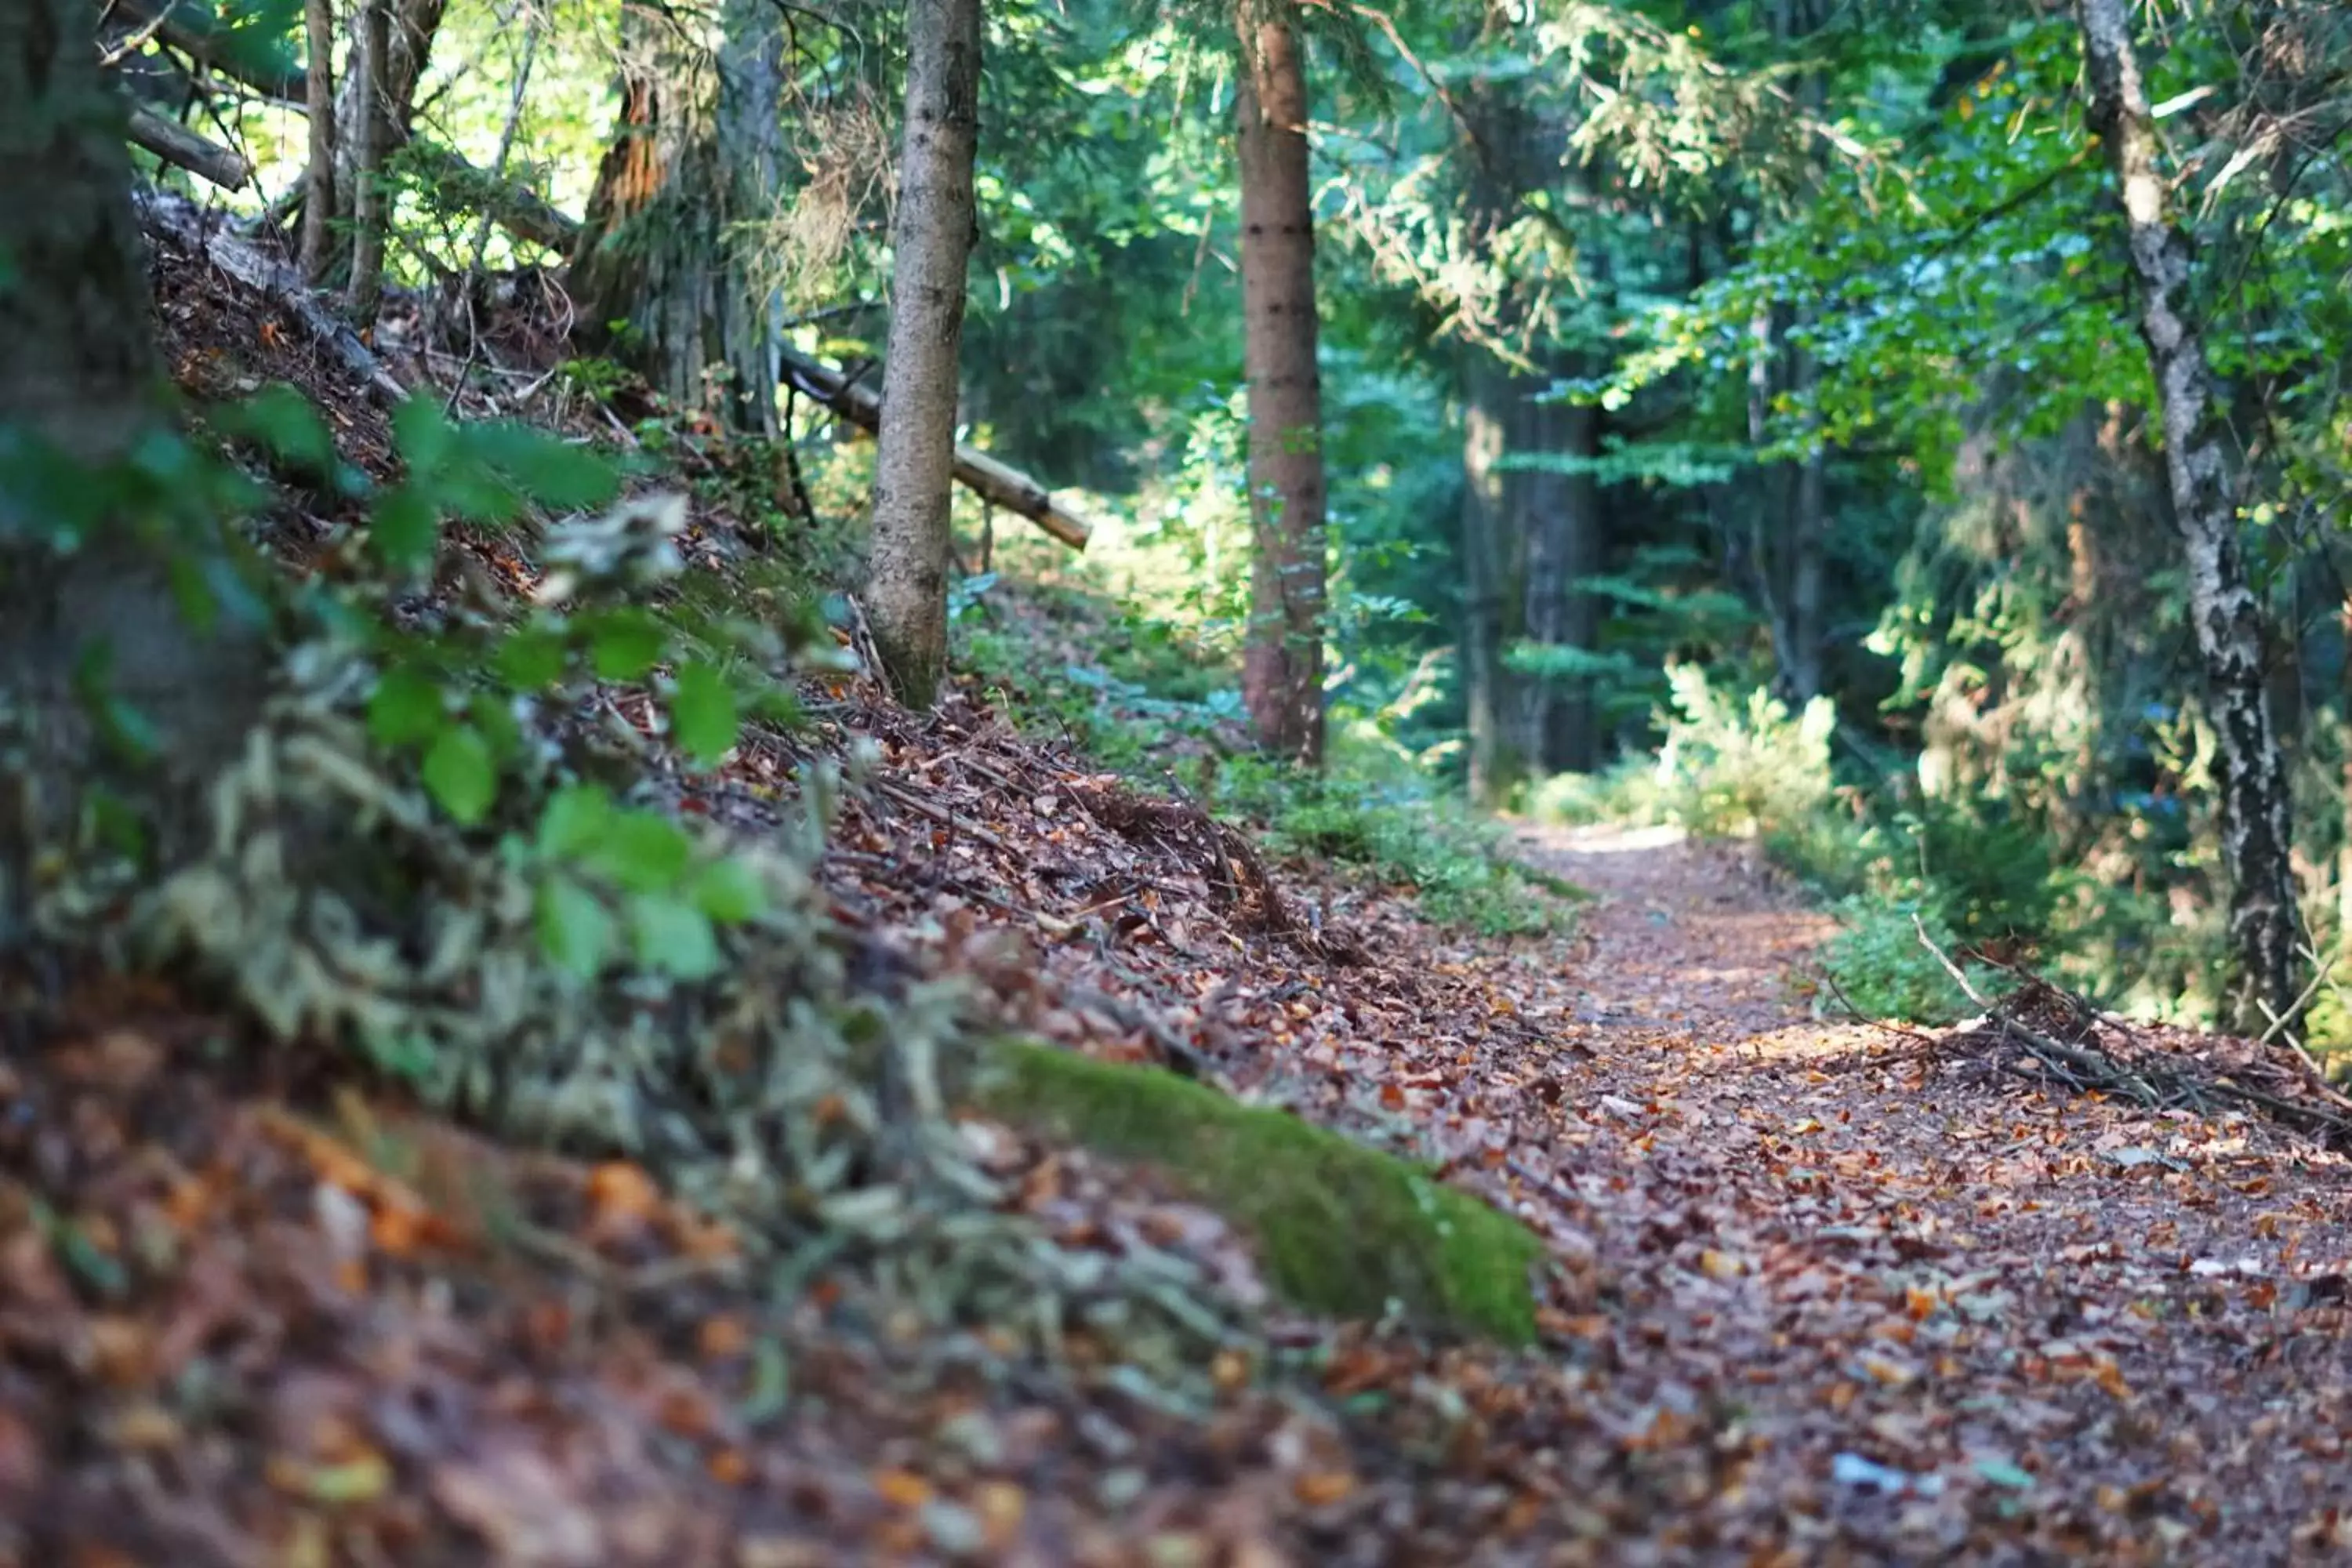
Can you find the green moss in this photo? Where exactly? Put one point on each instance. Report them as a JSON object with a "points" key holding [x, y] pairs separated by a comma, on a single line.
{"points": [[1340, 1228]]}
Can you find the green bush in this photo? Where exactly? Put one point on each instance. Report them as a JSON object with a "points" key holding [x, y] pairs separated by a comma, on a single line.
{"points": [[1882, 970], [1400, 837], [1739, 767]]}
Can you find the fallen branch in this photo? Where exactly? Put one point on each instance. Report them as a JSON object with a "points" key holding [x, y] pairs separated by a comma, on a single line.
{"points": [[161, 213], [977, 471], [184, 149]]}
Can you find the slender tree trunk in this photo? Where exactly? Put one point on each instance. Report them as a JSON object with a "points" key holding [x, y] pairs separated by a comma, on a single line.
{"points": [[1282, 672], [2256, 815], [931, 245], [662, 254], [1559, 517], [78, 368], [371, 62], [319, 93], [1808, 534], [1485, 555]]}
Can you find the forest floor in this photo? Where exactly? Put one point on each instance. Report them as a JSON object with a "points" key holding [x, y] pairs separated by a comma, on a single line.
{"points": [[1852, 1297], [1821, 1292]]}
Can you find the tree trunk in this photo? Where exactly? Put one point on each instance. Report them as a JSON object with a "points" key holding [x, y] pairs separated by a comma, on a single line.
{"points": [[78, 370], [371, 66], [930, 240], [318, 183], [1559, 515], [1282, 670], [1485, 574], [1800, 664], [2255, 821], [661, 273], [403, 48]]}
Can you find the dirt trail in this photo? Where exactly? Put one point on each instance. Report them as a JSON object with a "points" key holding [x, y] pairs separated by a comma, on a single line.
{"points": [[1918, 1308]]}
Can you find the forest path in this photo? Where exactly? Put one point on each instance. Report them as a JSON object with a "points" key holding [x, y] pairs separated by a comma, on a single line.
{"points": [[1919, 1308]]}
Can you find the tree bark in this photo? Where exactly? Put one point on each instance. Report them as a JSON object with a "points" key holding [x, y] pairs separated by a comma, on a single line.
{"points": [[2256, 825], [1800, 659], [370, 75], [1282, 670], [931, 239], [1487, 686], [319, 181], [1559, 515], [660, 254], [79, 373]]}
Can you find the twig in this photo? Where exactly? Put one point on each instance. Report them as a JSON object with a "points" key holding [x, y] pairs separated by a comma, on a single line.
{"points": [[1954, 970]]}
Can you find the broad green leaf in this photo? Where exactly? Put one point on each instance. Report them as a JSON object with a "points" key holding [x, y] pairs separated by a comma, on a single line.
{"points": [[423, 436], [729, 891], [407, 708], [576, 929], [460, 772], [405, 528], [575, 820], [623, 644], [548, 471], [530, 660], [283, 420], [673, 937], [702, 713], [643, 852]]}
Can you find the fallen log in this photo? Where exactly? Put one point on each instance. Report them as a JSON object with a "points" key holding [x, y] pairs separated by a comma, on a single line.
{"points": [[986, 478], [162, 213], [184, 149]]}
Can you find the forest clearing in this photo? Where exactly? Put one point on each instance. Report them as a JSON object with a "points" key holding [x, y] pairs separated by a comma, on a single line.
{"points": [[1264, 783]]}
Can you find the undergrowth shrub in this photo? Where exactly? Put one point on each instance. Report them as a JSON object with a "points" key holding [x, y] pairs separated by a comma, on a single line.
{"points": [[1882, 970], [1399, 836]]}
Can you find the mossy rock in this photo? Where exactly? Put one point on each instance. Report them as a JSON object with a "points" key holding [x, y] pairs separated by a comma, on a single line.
{"points": [[1340, 1228]]}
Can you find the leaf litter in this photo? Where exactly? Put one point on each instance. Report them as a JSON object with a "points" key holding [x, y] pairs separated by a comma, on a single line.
{"points": [[1816, 1293]]}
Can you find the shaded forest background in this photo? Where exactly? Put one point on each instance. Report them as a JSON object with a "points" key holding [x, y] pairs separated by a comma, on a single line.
{"points": [[1762, 383]]}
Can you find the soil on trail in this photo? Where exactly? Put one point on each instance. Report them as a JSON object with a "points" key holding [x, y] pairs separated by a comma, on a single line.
{"points": [[1938, 1312]]}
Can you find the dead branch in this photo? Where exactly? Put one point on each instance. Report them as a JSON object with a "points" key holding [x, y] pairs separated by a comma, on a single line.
{"points": [[977, 471], [184, 149]]}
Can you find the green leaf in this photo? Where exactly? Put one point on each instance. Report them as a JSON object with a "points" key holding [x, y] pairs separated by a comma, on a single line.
{"points": [[531, 659], [407, 708], [675, 938], [423, 436], [460, 774], [574, 927], [405, 528], [702, 713], [623, 644], [643, 852], [548, 471], [283, 420], [729, 891], [575, 820]]}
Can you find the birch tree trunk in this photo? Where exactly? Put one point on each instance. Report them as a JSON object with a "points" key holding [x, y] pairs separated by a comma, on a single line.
{"points": [[1282, 669], [931, 238], [2255, 821]]}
